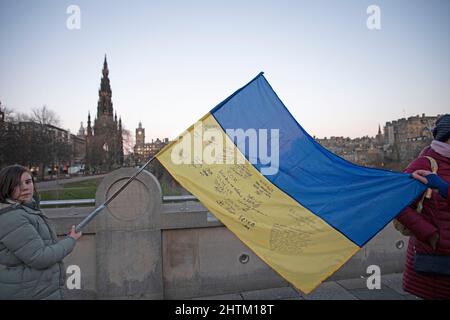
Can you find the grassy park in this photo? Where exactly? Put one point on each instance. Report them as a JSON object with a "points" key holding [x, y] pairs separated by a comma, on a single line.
{"points": [[87, 190], [69, 191]]}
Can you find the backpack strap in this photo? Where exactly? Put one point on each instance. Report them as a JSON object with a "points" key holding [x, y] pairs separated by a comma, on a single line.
{"points": [[401, 228], [434, 165], [427, 194]]}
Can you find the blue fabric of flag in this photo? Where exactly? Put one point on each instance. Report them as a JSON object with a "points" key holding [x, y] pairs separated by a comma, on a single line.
{"points": [[355, 200]]}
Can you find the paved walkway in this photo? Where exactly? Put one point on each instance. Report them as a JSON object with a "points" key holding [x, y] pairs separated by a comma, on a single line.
{"points": [[351, 289]]}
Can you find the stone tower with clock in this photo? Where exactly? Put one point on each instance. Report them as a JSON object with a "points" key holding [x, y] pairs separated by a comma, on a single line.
{"points": [[140, 136], [104, 142]]}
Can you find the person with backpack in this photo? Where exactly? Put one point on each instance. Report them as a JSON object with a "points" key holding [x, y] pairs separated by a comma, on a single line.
{"points": [[31, 257], [427, 265]]}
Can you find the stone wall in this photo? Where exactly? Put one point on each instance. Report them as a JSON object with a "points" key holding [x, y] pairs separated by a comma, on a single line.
{"points": [[142, 248]]}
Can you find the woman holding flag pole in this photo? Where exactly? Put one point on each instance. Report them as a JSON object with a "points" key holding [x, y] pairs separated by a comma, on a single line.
{"points": [[31, 257]]}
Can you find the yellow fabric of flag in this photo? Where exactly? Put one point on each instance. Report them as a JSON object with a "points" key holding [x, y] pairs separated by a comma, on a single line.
{"points": [[295, 242]]}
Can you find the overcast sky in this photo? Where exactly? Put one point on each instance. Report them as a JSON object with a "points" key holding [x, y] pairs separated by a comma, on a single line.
{"points": [[171, 62]]}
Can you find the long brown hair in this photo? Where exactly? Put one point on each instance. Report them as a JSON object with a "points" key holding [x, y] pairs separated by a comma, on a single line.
{"points": [[9, 179]]}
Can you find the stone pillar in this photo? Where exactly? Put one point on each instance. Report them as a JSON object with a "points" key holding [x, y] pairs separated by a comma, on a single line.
{"points": [[128, 237]]}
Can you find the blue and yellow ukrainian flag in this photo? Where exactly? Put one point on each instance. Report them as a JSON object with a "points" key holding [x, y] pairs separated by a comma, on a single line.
{"points": [[307, 217]]}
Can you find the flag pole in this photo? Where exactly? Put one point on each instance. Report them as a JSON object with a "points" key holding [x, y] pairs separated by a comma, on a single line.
{"points": [[97, 210]]}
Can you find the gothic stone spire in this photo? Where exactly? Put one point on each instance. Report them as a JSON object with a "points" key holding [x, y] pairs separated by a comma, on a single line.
{"points": [[105, 106]]}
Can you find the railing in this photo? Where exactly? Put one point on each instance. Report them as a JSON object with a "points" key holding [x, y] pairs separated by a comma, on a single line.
{"points": [[77, 202], [179, 198], [47, 203]]}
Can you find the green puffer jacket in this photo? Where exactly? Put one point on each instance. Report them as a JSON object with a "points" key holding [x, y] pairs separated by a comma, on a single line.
{"points": [[31, 257]]}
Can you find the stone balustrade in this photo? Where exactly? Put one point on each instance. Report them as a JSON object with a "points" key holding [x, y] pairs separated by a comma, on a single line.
{"points": [[142, 248]]}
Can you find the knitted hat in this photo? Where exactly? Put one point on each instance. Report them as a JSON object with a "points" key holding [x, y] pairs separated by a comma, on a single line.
{"points": [[441, 131]]}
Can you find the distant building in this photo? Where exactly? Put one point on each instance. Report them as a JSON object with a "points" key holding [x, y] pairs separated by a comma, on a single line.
{"points": [[144, 151], [400, 143], [78, 150], [364, 151], [49, 149], [81, 131], [104, 142], [79, 146], [405, 138]]}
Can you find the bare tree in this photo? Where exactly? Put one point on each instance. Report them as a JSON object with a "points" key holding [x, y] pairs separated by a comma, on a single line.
{"points": [[40, 146], [16, 117], [12, 139], [45, 116], [12, 116], [3, 112], [128, 141]]}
